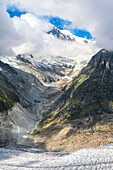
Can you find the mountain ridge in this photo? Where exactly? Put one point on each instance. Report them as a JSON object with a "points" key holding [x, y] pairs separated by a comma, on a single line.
{"points": [[67, 36], [83, 111], [63, 114], [98, 67]]}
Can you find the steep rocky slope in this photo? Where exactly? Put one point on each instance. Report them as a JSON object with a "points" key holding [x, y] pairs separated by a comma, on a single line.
{"points": [[21, 98], [28, 88], [91, 92], [8, 94], [83, 115]]}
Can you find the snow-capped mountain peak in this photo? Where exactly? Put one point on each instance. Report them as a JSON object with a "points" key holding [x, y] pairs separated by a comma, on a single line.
{"points": [[76, 38], [67, 36], [59, 34]]}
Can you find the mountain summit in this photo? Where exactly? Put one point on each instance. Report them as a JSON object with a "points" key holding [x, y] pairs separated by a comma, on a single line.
{"points": [[67, 36], [57, 33]]}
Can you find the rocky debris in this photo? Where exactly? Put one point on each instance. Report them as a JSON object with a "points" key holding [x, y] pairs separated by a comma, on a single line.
{"points": [[90, 130], [72, 135]]}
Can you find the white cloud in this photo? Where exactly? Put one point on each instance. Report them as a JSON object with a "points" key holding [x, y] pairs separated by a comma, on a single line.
{"points": [[9, 37], [92, 15], [26, 34], [33, 30], [40, 43]]}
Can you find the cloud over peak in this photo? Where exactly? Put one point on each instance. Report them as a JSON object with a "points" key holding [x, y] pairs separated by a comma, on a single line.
{"points": [[27, 33]]}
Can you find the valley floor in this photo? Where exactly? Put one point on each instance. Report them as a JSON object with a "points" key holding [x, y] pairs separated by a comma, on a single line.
{"points": [[23, 158]]}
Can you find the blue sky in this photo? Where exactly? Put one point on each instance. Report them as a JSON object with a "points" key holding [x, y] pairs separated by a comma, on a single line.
{"points": [[15, 12], [58, 22]]}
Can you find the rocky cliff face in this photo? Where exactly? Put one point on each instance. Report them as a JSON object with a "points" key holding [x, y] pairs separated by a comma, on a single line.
{"points": [[21, 97], [91, 92]]}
